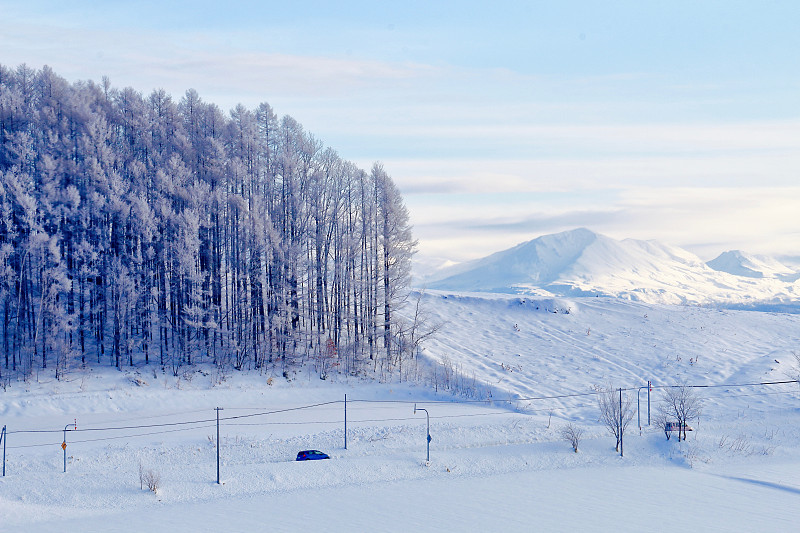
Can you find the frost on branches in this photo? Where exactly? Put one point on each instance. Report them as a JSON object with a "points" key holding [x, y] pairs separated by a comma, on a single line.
{"points": [[138, 229]]}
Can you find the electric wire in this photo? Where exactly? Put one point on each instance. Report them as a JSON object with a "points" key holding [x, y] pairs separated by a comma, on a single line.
{"points": [[371, 420], [171, 424], [401, 402], [117, 437]]}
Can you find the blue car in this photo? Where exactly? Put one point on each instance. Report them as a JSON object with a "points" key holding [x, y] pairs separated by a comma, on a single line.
{"points": [[311, 455]]}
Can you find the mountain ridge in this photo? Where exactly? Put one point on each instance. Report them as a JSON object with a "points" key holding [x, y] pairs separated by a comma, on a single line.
{"points": [[581, 262], [740, 263]]}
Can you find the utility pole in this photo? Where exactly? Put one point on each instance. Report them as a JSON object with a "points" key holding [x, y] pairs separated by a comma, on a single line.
{"points": [[638, 408], [345, 421], [218, 409], [3, 440], [64, 443], [621, 427]]}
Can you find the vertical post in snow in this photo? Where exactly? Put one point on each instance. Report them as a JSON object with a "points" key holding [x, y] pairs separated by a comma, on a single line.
{"points": [[345, 421], [428, 436], [428, 439], [64, 443], [621, 428], [639, 410], [218, 409], [3, 440], [638, 405]]}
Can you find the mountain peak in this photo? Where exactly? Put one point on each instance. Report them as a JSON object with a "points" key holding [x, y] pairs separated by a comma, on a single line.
{"points": [[740, 263], [581, 262]]}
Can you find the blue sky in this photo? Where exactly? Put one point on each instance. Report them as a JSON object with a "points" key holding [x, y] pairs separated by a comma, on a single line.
{"points": [[500, 122]]}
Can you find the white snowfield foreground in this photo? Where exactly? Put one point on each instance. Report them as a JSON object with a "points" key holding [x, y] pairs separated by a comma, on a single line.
{"points": [[495, 465]]}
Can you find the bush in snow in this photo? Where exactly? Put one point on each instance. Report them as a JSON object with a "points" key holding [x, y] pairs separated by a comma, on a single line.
{"points": [[572, 434], [149, 479]]}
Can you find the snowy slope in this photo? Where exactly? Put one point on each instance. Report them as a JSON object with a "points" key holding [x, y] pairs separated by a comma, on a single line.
{"points": [[527, 346], [536, 359], [581, 263]]}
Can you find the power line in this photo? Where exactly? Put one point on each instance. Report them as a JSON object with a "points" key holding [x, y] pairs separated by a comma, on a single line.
{"points": [[575, 395], [409, 402], [161, 415], [755, 384], [279, 411], [117, 428], [110, 438], [140, 434], [403, 419], [33, 446], [400, 402], [172, 424], [750, 393]]}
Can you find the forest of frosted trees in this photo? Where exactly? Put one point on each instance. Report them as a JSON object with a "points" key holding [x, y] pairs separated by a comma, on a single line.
{"points": [[136, 229]]}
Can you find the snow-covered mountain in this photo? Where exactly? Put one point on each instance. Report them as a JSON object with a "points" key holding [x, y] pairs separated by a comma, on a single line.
{"points": [[739, 263], [581, 262]]}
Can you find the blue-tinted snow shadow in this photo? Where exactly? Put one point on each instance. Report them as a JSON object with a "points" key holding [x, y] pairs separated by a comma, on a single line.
{"points": [[768, 484]]}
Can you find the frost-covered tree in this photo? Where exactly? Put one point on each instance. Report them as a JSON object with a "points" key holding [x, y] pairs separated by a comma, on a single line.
{"points": [[616, 412], [680, 404], [396, 249], [137, 229]]}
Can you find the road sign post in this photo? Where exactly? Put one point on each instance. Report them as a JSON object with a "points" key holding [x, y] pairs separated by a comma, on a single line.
{"points": [[428, 438], [64, 443]]}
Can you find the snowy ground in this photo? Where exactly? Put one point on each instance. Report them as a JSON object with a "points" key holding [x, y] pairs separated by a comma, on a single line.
{"points": [[495, 465]]}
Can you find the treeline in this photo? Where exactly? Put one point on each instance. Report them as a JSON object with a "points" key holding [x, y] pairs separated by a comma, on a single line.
{"points": [[139, 230]]}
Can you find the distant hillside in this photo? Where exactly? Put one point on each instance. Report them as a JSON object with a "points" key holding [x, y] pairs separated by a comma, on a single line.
{"points": [[740, 263], [581, 262]]}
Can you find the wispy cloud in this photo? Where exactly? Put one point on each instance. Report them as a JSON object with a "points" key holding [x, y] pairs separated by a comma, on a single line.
{"points": [[706, 221], [490, 145], [222, 72]]}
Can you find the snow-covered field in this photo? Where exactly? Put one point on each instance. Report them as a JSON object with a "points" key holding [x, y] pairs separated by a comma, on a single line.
{"points": [[499, 381]]}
